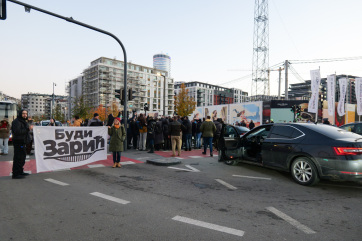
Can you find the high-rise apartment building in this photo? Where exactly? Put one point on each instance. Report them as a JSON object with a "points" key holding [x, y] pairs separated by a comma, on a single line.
{"points": [[162, 62], [105, 75], [206, 94]]}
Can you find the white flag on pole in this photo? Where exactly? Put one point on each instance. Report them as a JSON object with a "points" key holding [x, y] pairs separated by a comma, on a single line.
{"points": [[315, 80], [358, 88], [66, 147], [331, 93], [342, 96]]}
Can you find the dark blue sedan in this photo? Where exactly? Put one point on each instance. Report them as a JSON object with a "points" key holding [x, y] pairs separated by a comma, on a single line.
{"points": [[308, 151]]}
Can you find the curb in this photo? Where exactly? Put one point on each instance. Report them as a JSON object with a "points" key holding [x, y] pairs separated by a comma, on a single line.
{"points": [[164, 161]]}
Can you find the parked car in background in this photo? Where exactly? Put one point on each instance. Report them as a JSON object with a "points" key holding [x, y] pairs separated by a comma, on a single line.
{"points": [[46, 123], [308, 151], [355, 127]]}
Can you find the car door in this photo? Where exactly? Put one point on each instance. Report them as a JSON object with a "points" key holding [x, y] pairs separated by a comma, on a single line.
{"points": [[279, 144], [230, 142], [252, 143]]}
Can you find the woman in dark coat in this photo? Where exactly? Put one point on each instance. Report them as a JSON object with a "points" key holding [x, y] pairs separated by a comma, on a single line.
{"points": [[159, 135], [118, 135]]}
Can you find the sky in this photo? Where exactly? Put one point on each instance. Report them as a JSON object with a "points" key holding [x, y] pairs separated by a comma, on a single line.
{"points": [[209, 41]]}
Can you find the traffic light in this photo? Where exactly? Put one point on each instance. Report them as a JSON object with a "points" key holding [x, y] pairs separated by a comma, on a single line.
{"points": [[2, 9], [130, 94], [145, 107], [298, 110], [118, 96], [293, 109]]}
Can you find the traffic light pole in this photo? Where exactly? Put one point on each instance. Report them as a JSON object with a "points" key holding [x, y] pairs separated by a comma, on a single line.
{"points": [[29, 7]]}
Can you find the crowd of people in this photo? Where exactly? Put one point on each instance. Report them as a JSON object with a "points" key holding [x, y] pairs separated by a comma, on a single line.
{"points": [[144, 133]]}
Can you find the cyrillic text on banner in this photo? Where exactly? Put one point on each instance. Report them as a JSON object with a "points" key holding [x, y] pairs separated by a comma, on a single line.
{"points": [[66, 147]]}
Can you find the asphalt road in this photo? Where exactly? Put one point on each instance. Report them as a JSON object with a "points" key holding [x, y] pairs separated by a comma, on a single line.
{"points": [[202, 200]]}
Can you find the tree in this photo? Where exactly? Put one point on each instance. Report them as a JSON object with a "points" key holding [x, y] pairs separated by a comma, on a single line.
{"points": [[101, 112], [81, 108], [113, 109], [184, 104]]}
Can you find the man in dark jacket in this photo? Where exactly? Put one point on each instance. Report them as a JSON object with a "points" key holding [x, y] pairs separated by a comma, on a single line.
{"points": [[166, 139], [174, 130], [20, 130], [151, 124], [208, 129], [158, 134], [95, 121], [135, 132], [218, 124], [187, 133]]}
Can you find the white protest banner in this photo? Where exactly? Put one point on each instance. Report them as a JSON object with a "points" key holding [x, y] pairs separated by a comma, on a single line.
{"points": [[331, 93], [358, 88], [313, 103], [315, 80], [66, 147], [342, 96]]}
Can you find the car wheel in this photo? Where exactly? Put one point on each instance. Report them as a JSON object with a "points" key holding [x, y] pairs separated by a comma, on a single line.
{"points": [[304, 172], [227, 162]]}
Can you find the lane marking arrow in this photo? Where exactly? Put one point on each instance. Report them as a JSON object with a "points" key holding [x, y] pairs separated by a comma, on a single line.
{"points": [[191, 169]]}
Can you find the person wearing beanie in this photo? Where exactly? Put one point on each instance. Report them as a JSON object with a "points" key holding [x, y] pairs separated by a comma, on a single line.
{"points": [[117, 133], [95, 121], [20, 130]]}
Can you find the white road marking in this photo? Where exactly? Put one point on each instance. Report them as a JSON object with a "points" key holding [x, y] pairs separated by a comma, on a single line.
{"points": [[141, 158], [264, 178], [182, 169], [291, 221], [56, 182], [196, 156], [192, 169], [127, 163], [114, 199], [226, 184], [178, 157], [95, 165], [209, 226]]}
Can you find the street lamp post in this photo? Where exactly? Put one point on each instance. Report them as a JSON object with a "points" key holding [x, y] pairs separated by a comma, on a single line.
{"points": [[164, 94], [70, 19], [52, 107]]}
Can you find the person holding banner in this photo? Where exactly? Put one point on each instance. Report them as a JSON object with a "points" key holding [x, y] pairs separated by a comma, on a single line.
{"points": [[20, 130], [118, 135]]}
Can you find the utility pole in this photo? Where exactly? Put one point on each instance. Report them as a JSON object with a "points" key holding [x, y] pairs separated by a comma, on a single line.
{"points": [[52, 107], [280, 82], [286, 79]]}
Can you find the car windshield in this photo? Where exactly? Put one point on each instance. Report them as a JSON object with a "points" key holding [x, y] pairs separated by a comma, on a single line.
{"points": [[332, 131]]}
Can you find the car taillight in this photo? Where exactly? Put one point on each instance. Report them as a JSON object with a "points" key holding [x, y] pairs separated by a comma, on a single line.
{"points": [[343, 151]]}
